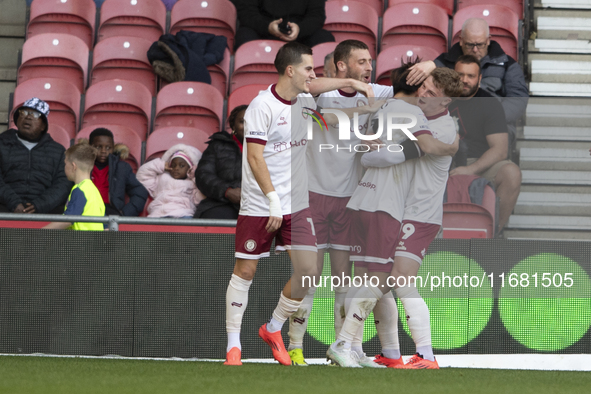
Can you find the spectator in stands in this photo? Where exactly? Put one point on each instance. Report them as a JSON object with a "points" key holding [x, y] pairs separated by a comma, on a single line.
{"points": [[284, 20], [484, 133], [501, 74], [219, 174], [330, 69], [170, 182], [114, 178], [32, 177]]}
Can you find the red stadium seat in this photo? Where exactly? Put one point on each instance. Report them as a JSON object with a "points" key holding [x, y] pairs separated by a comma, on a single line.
{"points": [[122, 135], [213, 16], [424, 25], [348, 19], [59, 135], [162, 139], [126, 103], [392, 57], [74, 17], [63, 99], [319, 52], [135, 18], [123, 58], [254, 64], [515, 5], [503, 24], [55, 55], [189, 104], [377, 5], [244, 95], [465, 221], [447, 5]]}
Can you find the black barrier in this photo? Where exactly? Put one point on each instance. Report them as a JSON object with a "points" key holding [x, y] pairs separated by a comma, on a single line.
{"points": [[163, 295]]}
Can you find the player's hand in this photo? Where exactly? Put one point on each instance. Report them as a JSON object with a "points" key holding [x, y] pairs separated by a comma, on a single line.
{"points": [[29, 208], [20, 208], [273, 224], [461, 171], [295, 31], [374, 105], [363, 88], [419, 72], [375, 144], [274, 30], [233, 195]]}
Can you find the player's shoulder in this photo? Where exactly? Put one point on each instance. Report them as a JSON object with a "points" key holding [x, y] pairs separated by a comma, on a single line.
{"points": [[263, 98]]}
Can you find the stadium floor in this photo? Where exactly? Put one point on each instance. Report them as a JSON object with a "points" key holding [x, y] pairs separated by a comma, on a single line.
{"points": [[50, 375]]}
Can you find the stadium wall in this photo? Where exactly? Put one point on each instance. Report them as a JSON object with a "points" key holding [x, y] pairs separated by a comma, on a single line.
{"points": [[146, 294]]}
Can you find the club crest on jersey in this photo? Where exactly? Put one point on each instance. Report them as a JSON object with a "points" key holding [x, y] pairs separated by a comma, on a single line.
{"points": [[309, 113], [250, 245]]}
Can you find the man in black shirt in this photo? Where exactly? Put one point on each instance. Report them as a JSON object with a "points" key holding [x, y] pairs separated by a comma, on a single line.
{"points": [[483, 130]]}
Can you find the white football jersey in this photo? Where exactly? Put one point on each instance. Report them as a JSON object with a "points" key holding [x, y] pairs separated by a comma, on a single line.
{"points": [[425, 198], [386, 189], [268, 121], [335, 169]]}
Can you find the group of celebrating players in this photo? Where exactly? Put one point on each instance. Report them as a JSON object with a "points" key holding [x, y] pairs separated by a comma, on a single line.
{"points": [[379, 209]]}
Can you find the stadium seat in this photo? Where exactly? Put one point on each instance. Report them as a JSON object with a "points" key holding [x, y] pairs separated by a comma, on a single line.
{"points": [[213, 16], [122, 135], [377, 5], [515, 5], [123, 58], [348, 19], [503, 23], [319, 52], [465, 221], [447, 5], [254, 64], [244, 95], [59, 135], [55, 55], [393, 57], [74, 17], [126, 103], [135, 18], [162, 139], [421, 24], [62, 96], [189, 104]]}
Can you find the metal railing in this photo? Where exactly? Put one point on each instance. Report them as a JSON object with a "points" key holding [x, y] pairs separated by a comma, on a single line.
{"points": [[114, 221]]}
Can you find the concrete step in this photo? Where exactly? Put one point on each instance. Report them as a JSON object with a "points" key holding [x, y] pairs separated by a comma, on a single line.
{"points": [[564, 204], [559, 89], [556, 134], [559, 46], [5, 89], [13, 14], [564, 4], [556, 189], [550, 222], [9, 47], [555, 159], [550, 235], [558, 112], [560, 68], [548, 177], [563, 25]]}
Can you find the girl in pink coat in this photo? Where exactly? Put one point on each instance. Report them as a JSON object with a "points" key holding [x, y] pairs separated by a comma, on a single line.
{"points": [[171, 182]]}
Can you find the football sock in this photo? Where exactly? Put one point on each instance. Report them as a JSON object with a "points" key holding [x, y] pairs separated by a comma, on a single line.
{"points": [[417, 317], [340, 295], [236, 302], [386, 317], [285, 308], [298, 322], [360, 308]]}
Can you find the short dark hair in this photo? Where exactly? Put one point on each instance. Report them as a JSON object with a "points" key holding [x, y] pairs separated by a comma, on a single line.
{"points": [[289, 55], [234, 115], [100, 132], [398, 77], [343, 50], [83, 154], [469, 59]]}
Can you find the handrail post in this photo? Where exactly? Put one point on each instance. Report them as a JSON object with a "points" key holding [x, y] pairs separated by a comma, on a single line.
{"points": [[113, 223]]}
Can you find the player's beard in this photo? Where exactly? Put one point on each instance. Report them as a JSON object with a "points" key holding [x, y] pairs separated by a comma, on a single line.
{"points": [[471, 92]]}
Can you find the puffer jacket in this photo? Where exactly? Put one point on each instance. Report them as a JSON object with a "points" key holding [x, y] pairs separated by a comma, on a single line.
{"points": [[36, 176], [220, 168], [123, 181], [172, 197]]}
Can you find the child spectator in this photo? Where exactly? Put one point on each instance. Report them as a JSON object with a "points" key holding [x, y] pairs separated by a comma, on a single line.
{"points": [[171, 182], [84, 198], [114, 178]]}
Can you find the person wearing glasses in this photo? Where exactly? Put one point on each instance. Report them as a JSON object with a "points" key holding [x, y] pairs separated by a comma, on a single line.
{"points": [[501, 74], [32, 177]]}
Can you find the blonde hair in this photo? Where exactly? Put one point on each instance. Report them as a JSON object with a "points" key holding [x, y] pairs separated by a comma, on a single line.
{"points": [[448, 81], [83, 154]]}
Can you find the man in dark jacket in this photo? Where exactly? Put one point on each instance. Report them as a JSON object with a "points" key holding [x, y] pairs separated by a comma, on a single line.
{"points": [[32, 177], [284, 20]]}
